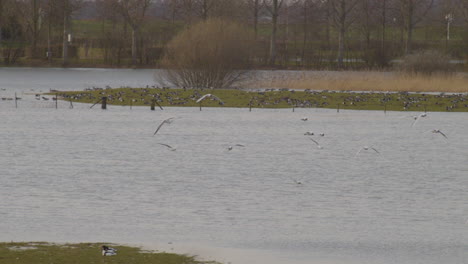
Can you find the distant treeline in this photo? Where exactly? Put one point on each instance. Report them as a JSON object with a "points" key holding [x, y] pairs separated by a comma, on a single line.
{"points": [[315, 34]]}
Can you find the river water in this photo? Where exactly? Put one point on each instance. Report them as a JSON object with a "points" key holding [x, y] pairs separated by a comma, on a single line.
{"points": [[80, 174]]}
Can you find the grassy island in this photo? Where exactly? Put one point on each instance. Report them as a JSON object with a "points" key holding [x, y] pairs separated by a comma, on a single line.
{"points": [[273, 98], [89, 253]]}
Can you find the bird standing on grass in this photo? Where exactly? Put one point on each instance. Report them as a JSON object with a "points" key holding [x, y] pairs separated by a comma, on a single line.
{"points": [[108, 251]]}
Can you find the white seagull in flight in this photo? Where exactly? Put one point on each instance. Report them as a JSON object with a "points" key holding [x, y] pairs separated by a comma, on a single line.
{"points": [[367, 148], [166, 145], [435, 131], [416, 118], [210, 96], [318, 145], [237, 145], [166, 121]]}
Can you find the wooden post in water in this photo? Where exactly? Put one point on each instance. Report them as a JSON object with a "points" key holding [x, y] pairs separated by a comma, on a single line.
{"points": [[385, 108], [250, 105], [56, 101], [200, 105], [71, 103], [131, 103], [16, 101], [153, 104], [104, 103], [338, 108]]}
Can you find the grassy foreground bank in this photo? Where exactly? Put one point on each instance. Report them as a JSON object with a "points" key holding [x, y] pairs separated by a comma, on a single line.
{"points": [[84, 253], [274, 98]]}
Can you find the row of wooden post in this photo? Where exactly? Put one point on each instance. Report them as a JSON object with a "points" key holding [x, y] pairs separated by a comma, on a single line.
{"points": [[153, 104]]}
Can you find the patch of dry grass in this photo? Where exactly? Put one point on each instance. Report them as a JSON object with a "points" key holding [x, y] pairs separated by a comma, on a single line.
{"points": [[365, 81]]}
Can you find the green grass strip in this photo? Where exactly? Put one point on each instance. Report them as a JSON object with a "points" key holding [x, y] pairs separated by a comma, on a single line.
{"points": [[398, 101], [84, 253]]}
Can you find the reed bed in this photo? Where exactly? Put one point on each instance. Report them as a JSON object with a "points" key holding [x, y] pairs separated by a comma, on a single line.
{"points": [[364, 81]]}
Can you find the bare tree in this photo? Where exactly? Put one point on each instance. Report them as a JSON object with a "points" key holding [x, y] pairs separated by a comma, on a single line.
{"points": [[211, 54], [174, 7], [273, 7], [32, 20], [463, 4], [412, 12], [342, 20], [133, 12], [12, 30], [1, 22], [254, 7]]}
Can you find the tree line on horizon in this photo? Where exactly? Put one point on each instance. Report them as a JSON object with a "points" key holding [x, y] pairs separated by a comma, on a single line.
{"points": [[288, 33]]}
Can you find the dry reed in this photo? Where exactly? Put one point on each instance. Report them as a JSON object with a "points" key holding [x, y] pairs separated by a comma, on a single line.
{"points": [[364, 81]]}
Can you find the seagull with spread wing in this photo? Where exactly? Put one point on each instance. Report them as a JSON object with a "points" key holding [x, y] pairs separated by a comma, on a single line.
{"points": [[210, 96], [315, 141], [166, 121], [237, 145], [367, 148], [416, 118], [168, 146], [437, 131]]}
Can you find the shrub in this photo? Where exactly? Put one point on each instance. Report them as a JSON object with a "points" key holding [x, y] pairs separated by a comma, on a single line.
{"points": [[211, 54], [427, 62]]}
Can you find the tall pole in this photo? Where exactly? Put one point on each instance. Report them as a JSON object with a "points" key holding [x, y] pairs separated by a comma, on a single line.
{"points": [[449, 18], [65, 34], [49, 53]]}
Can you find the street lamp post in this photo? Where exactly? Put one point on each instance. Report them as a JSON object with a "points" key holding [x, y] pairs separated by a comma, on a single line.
{"points": [[449, 18]]}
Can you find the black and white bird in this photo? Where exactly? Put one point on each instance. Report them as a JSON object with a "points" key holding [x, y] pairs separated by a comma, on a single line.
{"points": [[210, 96], [368, 148], [237, 145], [437, 131], [304, 119], [108, 251], [416, 118], [318, 145], [168, 146], [166, 121]]}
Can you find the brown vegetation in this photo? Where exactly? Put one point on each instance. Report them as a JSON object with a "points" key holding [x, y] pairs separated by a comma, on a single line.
{"points": [[214, 53], [427, 62], [367, 81]]}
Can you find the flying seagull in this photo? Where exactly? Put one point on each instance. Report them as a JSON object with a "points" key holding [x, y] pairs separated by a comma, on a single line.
{"points": [[435, 131], [318, 145], [237, 145], [297, 182], [210, 96], [367, 148], [416, 118], [167, 121], [166, 145]]}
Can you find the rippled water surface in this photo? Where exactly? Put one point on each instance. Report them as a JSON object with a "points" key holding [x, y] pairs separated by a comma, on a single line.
{"points": [[86, 174]]}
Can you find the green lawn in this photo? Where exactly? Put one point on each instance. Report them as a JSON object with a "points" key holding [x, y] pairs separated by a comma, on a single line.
{"points": [[84, 253], [401, 101]]}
